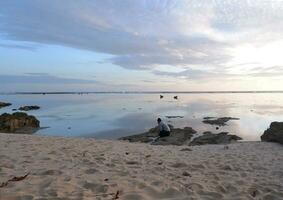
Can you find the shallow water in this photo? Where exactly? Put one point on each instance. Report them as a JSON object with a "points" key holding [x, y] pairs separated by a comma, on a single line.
{"points": [[116, 115]]}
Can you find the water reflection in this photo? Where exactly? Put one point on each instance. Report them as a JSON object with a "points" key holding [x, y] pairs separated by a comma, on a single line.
{"points": [[116, 115]]}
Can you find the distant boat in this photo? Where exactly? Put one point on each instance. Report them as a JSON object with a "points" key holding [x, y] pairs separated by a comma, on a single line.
{"points": [[161, 96], [175, 97]]}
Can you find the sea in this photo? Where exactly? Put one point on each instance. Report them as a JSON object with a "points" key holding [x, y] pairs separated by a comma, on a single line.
{"points": [[115, 114]]}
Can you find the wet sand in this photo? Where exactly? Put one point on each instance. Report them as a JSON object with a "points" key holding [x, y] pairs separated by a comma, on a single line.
{"points": [[76, 168]]}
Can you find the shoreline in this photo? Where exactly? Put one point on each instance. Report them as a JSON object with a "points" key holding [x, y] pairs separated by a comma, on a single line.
{"points": [[87, 168]]}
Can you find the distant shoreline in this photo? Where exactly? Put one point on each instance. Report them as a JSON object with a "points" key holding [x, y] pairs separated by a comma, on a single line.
{"points": [[142, 92]]}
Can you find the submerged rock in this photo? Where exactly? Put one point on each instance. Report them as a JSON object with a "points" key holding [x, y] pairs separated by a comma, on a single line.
{"points": [[174, 116], [18, 122], [211, 138], [3, 104], [27, 108], [218, 121], [274, 133], [178, 136]]}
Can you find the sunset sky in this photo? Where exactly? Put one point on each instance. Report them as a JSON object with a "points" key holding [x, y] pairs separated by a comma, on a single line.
{"points": [[141, 45]]}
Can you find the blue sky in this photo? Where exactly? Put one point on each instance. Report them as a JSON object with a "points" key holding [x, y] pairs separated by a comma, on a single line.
{"points": [[142, 45]]}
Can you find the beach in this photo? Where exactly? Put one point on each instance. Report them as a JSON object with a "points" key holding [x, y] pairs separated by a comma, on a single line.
{"points": [[78, 168]]}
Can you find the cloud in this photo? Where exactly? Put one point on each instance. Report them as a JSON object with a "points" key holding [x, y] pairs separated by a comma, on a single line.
{"points": [[267, 72], [40, 78], [200, 75], [147, 33], [191, 74]]}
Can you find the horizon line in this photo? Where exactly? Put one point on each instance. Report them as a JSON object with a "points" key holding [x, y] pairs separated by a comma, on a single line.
{"points": [[144, 92]]}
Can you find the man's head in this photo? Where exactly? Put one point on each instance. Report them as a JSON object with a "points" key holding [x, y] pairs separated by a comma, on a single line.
{"points": [[158, 120]]}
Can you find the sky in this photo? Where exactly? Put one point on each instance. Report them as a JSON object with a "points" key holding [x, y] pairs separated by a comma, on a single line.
{"points": [[141, 45]]}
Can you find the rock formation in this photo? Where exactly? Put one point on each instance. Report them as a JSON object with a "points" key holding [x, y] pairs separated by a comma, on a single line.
{"points": [[18, 123], [274, 133], [218, 121], [210, 138], [178, 136], [27, 108], [3, 104]]}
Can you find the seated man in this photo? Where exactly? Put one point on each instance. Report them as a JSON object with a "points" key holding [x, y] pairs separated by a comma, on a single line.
{"points": [[164, 129]]}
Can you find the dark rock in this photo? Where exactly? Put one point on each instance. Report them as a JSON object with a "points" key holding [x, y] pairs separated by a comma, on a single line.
{"points": [[210, 138], [186, 174], [208, 117], [175, 97], [3, 104], [27, 108], [161, 96], [274, 133], [174, 116], [186, 149], [178, 136], [18, 123], [218, 121], [131, 162]]}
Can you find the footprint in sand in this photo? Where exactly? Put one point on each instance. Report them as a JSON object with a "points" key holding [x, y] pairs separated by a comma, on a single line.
{"points": [[210, 195], [132, 196], [49, 172], [95, 187], [179, 165], [7, 165], [91, 171]]}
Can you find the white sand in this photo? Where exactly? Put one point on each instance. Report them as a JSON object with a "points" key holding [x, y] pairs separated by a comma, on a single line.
{"points": [[73, 168]]}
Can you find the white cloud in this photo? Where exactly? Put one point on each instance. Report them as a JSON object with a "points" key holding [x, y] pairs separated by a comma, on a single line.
{"points": [[204, 35]]}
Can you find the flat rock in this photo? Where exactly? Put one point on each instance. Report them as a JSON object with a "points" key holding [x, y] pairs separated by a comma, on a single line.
{"points": [[218, 121], [274, 133], [211, 138], [18, 122], [27, 108], [178, 136], [3, 104]]}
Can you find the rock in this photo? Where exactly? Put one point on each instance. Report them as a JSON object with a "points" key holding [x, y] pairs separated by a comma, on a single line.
{"points": [[178, 136], [161, 96], [274, 133], [3, 104], [18, 122], [218, 121], [210, 138], [27, 108], [174, 116], [175, 97], [186, 174]]}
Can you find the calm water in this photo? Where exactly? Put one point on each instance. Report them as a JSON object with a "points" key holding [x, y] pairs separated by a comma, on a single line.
{"points": [[116, 115]]}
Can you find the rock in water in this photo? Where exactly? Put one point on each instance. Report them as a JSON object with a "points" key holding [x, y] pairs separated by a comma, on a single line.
{"points": [[218, 121], [3, 104], [18, 122], [178, 136], [274, 133], [210, 138], [27, 108]]}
